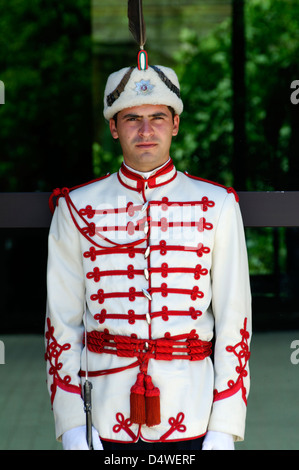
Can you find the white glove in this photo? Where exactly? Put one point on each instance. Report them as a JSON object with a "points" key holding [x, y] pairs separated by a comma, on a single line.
{"points": [[215, 440], [75, 439]]}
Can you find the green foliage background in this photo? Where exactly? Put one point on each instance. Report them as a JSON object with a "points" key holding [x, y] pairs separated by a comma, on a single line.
{"points": [[46, 121], [204, 67]]}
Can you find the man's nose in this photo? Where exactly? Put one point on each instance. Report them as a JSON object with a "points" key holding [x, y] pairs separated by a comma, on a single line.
{"points": [[146, 128]]}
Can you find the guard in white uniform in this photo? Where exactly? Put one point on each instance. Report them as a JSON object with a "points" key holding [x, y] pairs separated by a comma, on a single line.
{"points": [[148, 270]]}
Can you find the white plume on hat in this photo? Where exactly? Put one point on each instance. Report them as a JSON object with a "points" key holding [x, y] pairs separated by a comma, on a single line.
{"points": [[128, 87]]}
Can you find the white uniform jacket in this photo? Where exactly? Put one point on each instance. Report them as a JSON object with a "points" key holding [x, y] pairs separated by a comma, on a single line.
{"points": [[158, 259]]}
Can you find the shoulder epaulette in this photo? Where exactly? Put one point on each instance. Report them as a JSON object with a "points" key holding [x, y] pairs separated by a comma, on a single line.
{"points": [[228, 189], [62, 192]]}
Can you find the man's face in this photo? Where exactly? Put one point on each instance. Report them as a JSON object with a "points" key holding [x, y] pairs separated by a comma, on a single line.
{"points": [[145, 134]]}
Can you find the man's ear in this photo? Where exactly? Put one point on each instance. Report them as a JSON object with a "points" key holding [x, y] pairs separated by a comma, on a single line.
{"points": [[176, 125], [113, 128]]}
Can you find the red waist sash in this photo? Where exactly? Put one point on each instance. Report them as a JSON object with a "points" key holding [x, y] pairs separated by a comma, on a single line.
{"points": [[185, 346], [145, 397]]}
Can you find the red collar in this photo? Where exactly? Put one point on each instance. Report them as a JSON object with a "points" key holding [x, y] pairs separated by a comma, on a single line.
{"points": [[133, 180]]}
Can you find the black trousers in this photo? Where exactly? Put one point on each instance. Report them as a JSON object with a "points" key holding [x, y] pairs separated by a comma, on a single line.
{"points": [[192, 444]]}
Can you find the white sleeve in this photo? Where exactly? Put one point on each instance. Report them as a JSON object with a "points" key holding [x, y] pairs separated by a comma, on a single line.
{"points": [[64, 321], [231, 303]]}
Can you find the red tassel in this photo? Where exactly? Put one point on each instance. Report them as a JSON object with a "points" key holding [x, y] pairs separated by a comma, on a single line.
{"points": [[152, 403], [137, 401]]}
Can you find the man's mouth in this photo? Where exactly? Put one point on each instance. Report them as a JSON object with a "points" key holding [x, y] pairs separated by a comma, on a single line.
{"points": [[146, 145]]}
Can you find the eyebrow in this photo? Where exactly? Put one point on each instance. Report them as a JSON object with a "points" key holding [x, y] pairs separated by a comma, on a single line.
{"points": [[130, 115]]}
